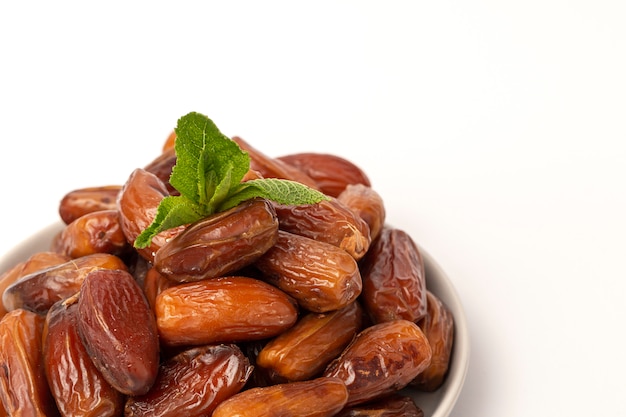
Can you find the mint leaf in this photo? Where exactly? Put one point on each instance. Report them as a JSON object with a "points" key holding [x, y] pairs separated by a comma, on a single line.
{"points": [[205, 157], [208, 173], [278, 190], [173, 211]]}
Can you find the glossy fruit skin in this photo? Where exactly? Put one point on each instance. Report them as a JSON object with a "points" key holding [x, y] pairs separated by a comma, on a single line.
{"points": [[118, 330], [331, 173], [39, 290], [304, 351], [225, 309], [320, 276], [438, 326], [153, 284], [366, 203], [97, 232], [269, 167], [23, 386], [162, 167], [193, 383], [77, 386], [392, 406], [328, 221], [381, 360], [394, 279], [82, 201], [219, 244], [36, 262], [137, 204], [320, 397]]}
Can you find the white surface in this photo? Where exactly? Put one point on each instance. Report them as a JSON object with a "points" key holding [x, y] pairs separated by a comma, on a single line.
{"points": [[495, 131]]}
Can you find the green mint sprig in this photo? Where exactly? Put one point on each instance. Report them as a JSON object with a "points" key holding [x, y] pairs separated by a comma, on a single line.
{"points": [[208, 173]]}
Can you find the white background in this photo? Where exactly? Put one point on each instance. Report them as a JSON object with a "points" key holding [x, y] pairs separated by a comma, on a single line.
{"points": [[494, 130]]}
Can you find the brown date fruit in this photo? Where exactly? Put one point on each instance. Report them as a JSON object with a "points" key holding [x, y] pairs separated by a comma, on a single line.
{"points": [[320, 397], [23, 387], [118, 330], [219, 244], [438, 326], [79, 202], [367, 204], [394, 282], [137, 204], [331, 173], [97, 232], [226, 309], [269, 167], [392, 406], [77, 386], [193, 383], [36, 262], [304, 351], [381, 360], [328, 221], [162, 167], [320, 276], [39, 290]]}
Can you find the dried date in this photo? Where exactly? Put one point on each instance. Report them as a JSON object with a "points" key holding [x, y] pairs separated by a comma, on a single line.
{"points": [[137, 204], [97, 232], [77, 386], [226, 309], [392, 406], [327, 221], [219, 244], [39, 290], [381, 360], [82, 201], [320, 276], [118, 330], [367, 204], [394, 282], [193, 383], [320, 397], [304, 351], [438, 326], [331, 173], [23, 387]]}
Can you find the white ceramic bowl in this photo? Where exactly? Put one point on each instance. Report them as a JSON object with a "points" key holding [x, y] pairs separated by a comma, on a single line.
{"points": [[436, 404]]}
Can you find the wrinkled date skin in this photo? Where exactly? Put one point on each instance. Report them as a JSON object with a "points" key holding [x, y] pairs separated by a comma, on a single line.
{"points": [[220, 244], [118, 330], [23, 387], [320, 397], [79, 202], [438, 326], [331, 173], [328, 221], [97, 232], [394, 282], [36, 262], [39, 290], [367, 204], [153, 284], [320, 276], [269, 167], [381, 360], [304, 351], [137, 204], [77, 386], [226, 309], [193, 383], [393, 406]]}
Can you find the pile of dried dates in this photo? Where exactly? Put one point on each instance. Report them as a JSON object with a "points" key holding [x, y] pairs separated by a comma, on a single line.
{"points": [[261, 310]]}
